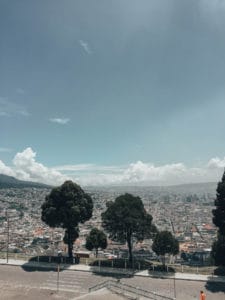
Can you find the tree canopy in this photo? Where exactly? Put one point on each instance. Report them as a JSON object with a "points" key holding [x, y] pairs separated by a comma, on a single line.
{"points": [[218, 248], [219, 211], [165, 243], [66, 206], [127, 220], [96, 240]]}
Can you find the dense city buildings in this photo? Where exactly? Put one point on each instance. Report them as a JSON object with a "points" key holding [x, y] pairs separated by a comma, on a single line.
{"points": [[183, 210]]}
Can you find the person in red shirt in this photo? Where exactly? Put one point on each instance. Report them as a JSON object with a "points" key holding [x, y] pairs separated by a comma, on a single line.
{"points": [[202, 296]]}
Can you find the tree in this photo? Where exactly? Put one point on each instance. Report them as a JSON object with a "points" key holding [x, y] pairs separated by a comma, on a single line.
{"points": [[218, 249], [165, 243], [127, 220], [67, 206], [95, 240]]}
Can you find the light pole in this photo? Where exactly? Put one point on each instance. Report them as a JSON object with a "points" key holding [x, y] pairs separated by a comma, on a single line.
{"points": [[7, 247], [174, 285], [58, 269]]}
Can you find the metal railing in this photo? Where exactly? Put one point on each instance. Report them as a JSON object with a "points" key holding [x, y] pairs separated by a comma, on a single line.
{"points": [[126, 288], [204, 270]]}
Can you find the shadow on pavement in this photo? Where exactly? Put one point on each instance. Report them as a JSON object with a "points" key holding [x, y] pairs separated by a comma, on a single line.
{"points": [[117, 274], [54, 263], [47, 263], [220, 271], [216, 287]]}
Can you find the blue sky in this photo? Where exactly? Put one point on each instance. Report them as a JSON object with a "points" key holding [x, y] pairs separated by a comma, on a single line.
{"points": [[113, 91]]}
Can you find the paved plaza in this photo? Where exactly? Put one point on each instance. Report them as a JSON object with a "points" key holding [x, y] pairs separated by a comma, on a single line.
{"points": [[23, 282]]}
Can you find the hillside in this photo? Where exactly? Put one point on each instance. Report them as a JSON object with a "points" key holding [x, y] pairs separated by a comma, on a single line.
{"points": [[11, 182]]}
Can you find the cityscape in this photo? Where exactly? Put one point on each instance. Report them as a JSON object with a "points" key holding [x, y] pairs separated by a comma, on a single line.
{"points": [[186, 211], [112, 150]]}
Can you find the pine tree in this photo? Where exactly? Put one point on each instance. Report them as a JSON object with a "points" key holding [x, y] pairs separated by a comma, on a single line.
{"points": [[218, 249]]}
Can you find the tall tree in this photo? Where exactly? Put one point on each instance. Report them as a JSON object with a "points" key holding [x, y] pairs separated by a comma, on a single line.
{"points": [[96, 240], [127, 220], [165, 243], [67, 206], [218, 249]]}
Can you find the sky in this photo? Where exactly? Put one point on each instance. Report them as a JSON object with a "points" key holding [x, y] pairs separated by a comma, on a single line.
{"points": [[112, 92]]}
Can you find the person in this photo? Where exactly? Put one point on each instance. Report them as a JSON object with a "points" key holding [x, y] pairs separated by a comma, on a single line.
{"points": [[202, 296]]}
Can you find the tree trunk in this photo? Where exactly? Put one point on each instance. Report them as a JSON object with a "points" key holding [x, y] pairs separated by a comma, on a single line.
{"points": [[96, 252], [129, 244], [164, 261], [70, 245]]}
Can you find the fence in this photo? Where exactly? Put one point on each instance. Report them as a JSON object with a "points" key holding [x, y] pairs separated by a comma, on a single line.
{"points": [[110, 263]]}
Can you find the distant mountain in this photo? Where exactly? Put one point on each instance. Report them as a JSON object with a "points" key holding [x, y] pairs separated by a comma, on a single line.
{"points": [[11, 182], [189, 188], [194, 188]]}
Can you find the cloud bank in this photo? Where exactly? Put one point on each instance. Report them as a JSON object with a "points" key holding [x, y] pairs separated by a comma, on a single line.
{"points": [[25, 167]]}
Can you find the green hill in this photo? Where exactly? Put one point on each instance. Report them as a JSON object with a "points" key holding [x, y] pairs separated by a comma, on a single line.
{"points": [[11, 182]]}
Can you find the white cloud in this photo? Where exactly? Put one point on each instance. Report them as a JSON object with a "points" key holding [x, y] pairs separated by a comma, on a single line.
{"points": [[6, 170], [216, 163], [141, 173], [61, 121], [9, 109], [85, 46], [26, 167], [87, 168], [23, 112]]}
